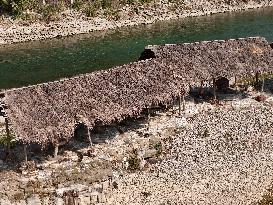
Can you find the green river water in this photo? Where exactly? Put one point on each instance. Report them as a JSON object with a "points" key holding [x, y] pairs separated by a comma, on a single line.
{"points": [[35, 62]]}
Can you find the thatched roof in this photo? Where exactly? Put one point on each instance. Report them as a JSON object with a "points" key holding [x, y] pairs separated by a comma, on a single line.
{"points": [[48, 112], [209, 59]]}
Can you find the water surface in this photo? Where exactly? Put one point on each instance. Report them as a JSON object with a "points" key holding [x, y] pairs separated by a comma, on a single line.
{"points": [[35, 62]]}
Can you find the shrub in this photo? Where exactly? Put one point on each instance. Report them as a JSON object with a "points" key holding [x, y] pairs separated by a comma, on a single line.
{"points": [[134, 162], [50, 11], [158, 147], [90, 10], [7, 141], [17, 7]]}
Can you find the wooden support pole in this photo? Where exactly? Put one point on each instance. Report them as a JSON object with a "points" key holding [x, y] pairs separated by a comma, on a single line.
{"points": [[235, 83], [89, 137], [256, 78], [8, 134], [214, 89], [262, 83], [25, 153], [149, 116], [201, 90], [184, 104], [179, 104], [56, 150]]}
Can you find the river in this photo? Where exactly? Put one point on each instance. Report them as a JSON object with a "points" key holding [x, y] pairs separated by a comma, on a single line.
{"points": [[36, 62]]}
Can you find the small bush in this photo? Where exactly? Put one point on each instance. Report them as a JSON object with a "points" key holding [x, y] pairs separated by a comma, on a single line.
{"points": [[106, 4], [7, 141], [112, 14], [50, 12], [145, 1], [77, 5], [134, 162], [158, 147], [90, 11]]}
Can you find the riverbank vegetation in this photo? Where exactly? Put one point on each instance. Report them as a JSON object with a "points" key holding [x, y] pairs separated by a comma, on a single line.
{"points": [[51, 10]]}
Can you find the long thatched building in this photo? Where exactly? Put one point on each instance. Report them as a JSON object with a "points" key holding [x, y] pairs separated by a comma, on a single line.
{"points": [[48, 112]]}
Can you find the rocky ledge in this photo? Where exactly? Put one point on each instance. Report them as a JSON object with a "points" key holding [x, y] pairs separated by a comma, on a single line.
{"points": [[72, 22]]}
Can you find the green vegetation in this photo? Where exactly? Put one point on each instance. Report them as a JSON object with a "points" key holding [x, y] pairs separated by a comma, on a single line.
{"points": [[158, 147], [7, 141], [134, 162], [33, 10]]}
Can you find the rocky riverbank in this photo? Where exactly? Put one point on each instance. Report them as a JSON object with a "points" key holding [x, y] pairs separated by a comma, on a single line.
{"points": [[73, 22]]}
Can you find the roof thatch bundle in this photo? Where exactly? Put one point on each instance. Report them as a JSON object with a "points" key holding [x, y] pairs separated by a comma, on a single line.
{"points": [[48, 112]]}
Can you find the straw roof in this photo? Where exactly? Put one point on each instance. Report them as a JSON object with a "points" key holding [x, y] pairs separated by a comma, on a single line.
{"points": [[48, 112], [212, 59]]}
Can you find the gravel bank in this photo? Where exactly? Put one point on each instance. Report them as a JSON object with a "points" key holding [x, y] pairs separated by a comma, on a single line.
{"points": [[223, 156], [13, 31]]}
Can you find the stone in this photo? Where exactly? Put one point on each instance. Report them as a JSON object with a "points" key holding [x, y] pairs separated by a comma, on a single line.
{"points": [[59, 201], [84, 200], [101, 198], [105, 185], [149, 153], [34, 200], [260, 98]]}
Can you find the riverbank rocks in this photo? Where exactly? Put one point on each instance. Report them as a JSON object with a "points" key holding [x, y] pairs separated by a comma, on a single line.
{"points": [[74, 22]]}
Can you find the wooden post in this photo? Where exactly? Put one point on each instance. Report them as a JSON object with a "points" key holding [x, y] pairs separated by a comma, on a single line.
{"points": [[179, 104], [89, 137], [256, 78], [184, 106], [8, 134], [262, 83], [149, 118], [235, 83], [25, 153], [214, 90], [201, 90], [56, 150]]}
